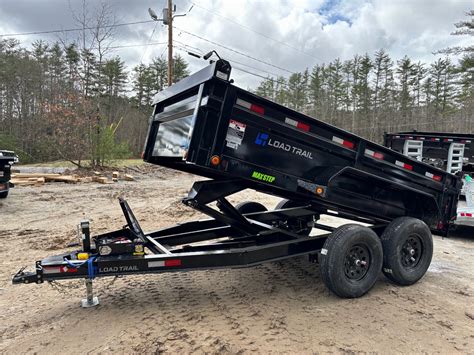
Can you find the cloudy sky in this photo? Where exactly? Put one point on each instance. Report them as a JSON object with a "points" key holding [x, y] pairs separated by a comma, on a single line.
{"points": [[281, 36]]}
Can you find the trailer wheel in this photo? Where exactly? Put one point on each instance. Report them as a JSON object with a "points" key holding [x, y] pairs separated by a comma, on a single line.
{"points": [[351, 260], [302, 226], [4, 194], [408, 249], [250, 207]]}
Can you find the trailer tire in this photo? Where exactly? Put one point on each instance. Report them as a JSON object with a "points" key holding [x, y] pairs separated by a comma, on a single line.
{"points": [[408, 250], [4, 194], [295, 225], [351, 260], [250, 207]]}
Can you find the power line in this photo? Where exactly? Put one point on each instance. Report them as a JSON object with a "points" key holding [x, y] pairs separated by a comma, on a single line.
{"points": [[138, 45], [215, 13], [234, 50], [184, 49], [261, 76], [149, 40], [201, 52], [74, 29]]}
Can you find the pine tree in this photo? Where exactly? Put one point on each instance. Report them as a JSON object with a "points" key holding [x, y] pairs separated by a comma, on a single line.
{"points": [[180, 68]]}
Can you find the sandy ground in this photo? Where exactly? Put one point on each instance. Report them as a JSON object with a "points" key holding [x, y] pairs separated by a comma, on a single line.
{"points": [[277, 307]]}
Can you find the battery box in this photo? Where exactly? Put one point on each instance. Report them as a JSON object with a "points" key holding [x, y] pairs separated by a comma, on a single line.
{"points": [[119, 246]]}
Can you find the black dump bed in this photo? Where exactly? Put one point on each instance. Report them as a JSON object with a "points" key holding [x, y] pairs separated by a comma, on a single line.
{"points": [[207, 126]]}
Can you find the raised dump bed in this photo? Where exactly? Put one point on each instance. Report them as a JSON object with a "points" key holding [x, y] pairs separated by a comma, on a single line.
{"points": [[207, 126]]}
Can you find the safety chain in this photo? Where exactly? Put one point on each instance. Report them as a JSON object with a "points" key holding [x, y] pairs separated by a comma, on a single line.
{"points": [[68, 289]]}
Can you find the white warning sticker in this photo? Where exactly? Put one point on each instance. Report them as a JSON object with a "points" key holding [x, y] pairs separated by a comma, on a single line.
{"points": [[235, 134], [324, 251]]}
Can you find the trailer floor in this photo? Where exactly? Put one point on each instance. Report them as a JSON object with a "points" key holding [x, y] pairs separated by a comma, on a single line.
{"points": [[277, 307]]}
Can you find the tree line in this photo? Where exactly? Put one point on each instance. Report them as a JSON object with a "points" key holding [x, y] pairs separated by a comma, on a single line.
{"points": [[60, 102], [75, 100], [372, 94]]}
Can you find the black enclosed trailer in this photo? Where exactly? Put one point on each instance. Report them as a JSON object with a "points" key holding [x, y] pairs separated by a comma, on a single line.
{"points": [[7, 158], [206, 126], [448, 151]]}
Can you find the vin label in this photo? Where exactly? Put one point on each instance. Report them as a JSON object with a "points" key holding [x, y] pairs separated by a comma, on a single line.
{"points": [[235, 134]]}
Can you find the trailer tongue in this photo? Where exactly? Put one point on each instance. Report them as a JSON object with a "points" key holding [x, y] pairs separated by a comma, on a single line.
{"points": [[207, 126]]}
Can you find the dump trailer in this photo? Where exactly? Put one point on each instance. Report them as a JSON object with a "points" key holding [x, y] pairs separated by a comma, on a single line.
{"points": [[7, 158], [452, 152], [209, 127]]}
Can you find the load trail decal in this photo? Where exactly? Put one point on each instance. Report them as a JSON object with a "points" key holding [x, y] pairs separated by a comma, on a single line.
{"points": [[263, 177], [263, 139]]}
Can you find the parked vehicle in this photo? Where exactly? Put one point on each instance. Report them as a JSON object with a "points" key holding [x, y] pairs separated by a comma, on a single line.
{"points": [[206, 126], [7, 158]]}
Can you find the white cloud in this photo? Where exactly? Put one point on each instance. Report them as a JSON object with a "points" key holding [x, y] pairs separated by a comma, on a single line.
{"points": [[322, 29]]}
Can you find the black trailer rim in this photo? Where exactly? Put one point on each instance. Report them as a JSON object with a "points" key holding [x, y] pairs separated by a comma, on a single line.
{"points": [[357, 262], [411, 252]]}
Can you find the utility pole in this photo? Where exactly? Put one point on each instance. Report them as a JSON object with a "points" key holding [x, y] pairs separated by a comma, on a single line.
{"points": [[170, 42], [168, 20]]}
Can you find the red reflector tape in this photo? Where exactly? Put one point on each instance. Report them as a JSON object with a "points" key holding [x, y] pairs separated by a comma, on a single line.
{"points": [[373, 154], [343, 142], [164, 263], [255, 108], [433, 176], [303, 126], [297, 124], [173, 262], [447, 140], [404, 165], [258, 109]]}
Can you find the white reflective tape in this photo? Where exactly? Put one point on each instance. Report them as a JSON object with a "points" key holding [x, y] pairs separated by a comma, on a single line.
{"points": [[51, 270], [243, 103], [400, 163], [429, 175], [337, 140], [221, 75], [291, 122], [156, 263], [369, 152]]}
